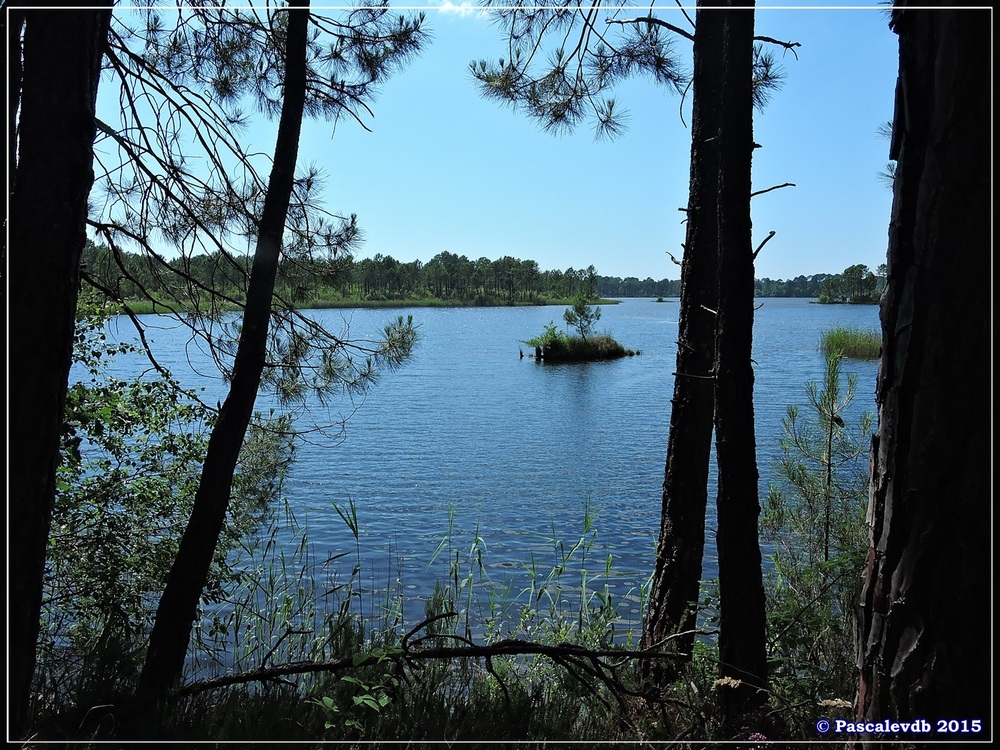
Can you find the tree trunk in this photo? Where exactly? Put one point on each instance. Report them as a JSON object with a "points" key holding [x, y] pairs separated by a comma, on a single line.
{"points": [[924, 636], [178, 606], [677, 575], [48, 210], [12, 22], [742, 623]]}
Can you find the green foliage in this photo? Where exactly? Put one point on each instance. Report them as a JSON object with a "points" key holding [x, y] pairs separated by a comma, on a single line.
{"points": [[814, 517], [582, 316], [217, 281], [130, 463], [854, 343], [551, 336], [364, 698], [563, 63]]}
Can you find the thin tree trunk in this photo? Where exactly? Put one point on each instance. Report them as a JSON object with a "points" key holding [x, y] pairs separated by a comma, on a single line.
{"points": [[677, 575], [925, 630], [178, 606], [742, 620], [48, 210]]}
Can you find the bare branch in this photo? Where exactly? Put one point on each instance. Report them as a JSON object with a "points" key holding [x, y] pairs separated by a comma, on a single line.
{"points": [[654, 21], [790, 46], [141, 331], [775, 187], [689, 19], [680, 107], [761, 245]]}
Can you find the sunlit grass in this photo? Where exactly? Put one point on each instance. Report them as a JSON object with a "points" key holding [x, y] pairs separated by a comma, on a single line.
{"points": [[576, 349], [854, 343]]}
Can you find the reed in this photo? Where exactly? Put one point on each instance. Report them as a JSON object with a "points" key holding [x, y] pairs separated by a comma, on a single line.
{"points": [[854, 343]]}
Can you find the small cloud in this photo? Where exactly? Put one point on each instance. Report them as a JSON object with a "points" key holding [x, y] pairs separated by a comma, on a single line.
{"points": [[463, 9]]}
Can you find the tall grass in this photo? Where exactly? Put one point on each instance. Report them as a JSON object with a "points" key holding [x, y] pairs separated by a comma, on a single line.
{"points": [[290, 605], [854, 343], [562, 596]]}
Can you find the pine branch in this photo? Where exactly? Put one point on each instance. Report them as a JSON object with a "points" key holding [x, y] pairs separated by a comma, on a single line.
{"points": [[653, 21]]}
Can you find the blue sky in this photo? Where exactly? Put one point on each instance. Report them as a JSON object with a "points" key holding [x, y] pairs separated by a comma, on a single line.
{"points": [[445, 169]]}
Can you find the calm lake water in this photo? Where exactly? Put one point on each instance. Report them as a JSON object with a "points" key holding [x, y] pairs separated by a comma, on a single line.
{"points": [[469, 440]]}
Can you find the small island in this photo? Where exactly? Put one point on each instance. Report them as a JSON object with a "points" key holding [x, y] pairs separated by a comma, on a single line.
{"points": [[554, 346]]}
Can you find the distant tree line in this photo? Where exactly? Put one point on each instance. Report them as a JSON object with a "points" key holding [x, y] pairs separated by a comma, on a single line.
{"points": [[446, 276], [856, 284], [800, 286], [613, 286]]}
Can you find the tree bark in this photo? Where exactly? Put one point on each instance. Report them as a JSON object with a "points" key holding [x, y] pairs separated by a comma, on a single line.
{"points": [[677, 574], [178, 606], [925, 635], [48, 210], [742, 619]]}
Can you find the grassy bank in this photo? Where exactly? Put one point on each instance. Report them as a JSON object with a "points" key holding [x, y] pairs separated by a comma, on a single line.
{"points": [[855, 343]]}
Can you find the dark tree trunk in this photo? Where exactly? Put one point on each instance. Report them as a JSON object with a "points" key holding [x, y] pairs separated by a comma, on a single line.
{"points": [[925, 630], [12, 22], [48, 210], [178, 606], [677, 575], [742, 620]]}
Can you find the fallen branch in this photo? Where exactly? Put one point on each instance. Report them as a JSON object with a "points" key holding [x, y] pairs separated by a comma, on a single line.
{"points": [[600, 664]]}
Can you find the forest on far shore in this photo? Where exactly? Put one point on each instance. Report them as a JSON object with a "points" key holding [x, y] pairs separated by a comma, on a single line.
{"points": [[446, 278]]}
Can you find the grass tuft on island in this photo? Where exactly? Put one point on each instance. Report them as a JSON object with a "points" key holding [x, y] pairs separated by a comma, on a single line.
{"points": [[853, 343], [553, 346]]}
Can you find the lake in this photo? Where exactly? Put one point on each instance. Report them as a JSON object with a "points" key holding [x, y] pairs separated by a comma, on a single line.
{"points": [[469, 440]]}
